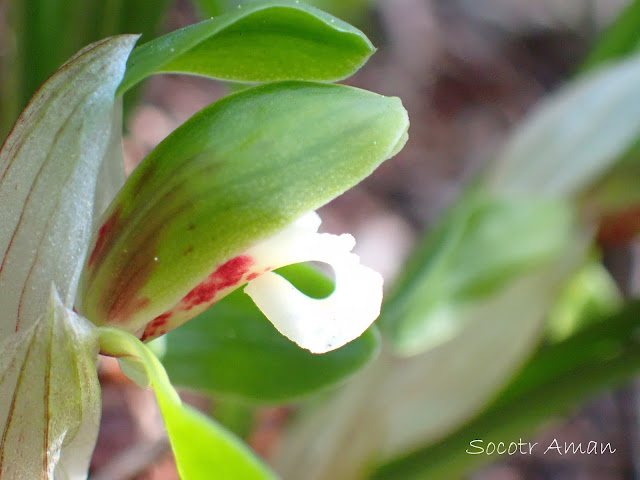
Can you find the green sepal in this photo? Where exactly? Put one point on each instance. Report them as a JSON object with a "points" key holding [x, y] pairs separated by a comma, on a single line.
{"points": [[256, 43]]}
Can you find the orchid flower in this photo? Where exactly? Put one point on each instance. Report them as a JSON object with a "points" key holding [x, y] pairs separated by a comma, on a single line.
{"points": [[206, 213]]}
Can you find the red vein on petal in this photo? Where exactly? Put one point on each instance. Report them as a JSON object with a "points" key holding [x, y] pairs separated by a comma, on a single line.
{"points": [[44, 231], [47, 394]]}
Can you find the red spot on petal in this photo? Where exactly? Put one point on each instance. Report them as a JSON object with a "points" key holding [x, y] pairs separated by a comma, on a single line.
{"points": [[157, 326], [105, 237], [253, 276], [225, 276]]}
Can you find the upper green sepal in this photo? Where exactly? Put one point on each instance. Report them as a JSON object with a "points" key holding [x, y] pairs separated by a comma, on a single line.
{"points": [[235, 173], [259, 42]]}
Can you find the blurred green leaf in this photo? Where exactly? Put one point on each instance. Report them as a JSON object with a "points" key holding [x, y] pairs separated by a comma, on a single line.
{"points": [[620, 39], [49, 397], [48, 170], [42, 34], [232, 348], [261, 42], [573, 136], [591, 294], [213, 8], [479, 248], [235, 173], [556, 379], [202, 449]]}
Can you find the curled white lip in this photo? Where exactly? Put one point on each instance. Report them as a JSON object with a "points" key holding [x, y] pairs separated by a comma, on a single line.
{"points": [[318, 325]]}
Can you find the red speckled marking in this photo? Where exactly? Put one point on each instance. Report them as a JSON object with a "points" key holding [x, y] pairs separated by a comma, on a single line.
{"points": [[225, 276], [154, 327], [106, 235], [253, 276]]}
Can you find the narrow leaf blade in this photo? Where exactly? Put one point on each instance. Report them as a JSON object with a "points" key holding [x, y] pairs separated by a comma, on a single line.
{"points": [[557, 377], [480, 248], [620, 39]]}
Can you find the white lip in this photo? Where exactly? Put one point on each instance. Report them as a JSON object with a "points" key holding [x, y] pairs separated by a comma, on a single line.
{"points": [[318, 325]]}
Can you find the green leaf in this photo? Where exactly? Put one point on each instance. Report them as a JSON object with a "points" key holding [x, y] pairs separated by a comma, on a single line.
{"points": [[260, 42], [620, 39], [202, 449], [48, 170], [39, 35], [556, 379], [573, 136], [232, 348], [235, 173], [49, 397], [482, 246]]}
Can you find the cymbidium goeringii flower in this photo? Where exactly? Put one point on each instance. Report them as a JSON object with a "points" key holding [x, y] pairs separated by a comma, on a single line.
{"points": [[205, 214]]}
